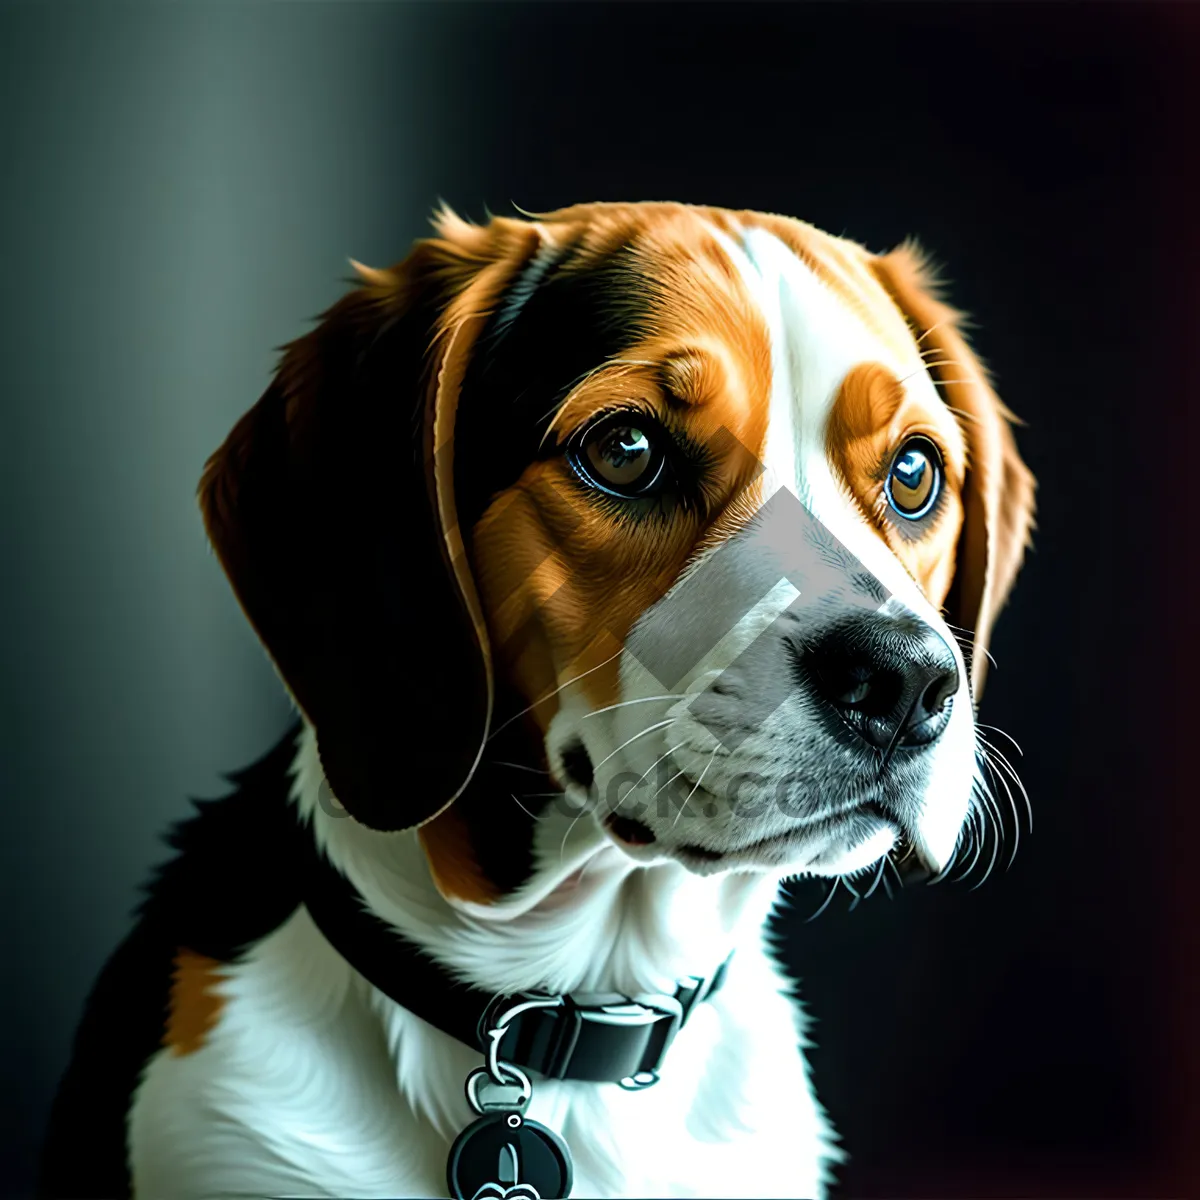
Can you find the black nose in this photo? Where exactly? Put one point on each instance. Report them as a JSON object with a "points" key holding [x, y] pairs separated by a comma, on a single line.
{"points": [[891, 679]]}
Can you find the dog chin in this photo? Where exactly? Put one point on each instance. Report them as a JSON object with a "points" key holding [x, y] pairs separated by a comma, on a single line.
{"points": [[848, 856], [845, 847]]}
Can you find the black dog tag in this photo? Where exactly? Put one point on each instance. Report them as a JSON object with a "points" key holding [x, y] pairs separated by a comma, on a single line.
{"points": [[503, 1156]]}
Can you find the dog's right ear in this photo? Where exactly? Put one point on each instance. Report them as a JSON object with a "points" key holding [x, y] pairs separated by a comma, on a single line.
{"points": [[998, 497], [331, 509]]}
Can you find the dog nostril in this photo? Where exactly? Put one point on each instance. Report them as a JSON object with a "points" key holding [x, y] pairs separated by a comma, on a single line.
{"points": [[578, 764], [855, 693], [857, 686], [937, 695], [891, 681], [631, 831]]}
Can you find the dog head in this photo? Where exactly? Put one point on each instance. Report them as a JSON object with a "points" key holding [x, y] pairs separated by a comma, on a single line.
{"points": [[689, 509]]}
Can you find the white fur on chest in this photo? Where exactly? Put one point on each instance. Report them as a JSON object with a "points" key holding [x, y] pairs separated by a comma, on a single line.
{"points": [[312, 1083]]}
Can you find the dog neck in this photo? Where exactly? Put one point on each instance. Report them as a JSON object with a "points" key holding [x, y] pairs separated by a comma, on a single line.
{"points": [[588, 919]]}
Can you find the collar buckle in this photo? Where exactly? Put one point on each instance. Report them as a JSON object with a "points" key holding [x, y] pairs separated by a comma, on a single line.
{"points": [[599, 1038]]}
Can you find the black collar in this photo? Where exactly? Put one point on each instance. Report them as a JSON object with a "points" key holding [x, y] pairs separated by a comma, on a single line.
{"points": [[600, 1038]]}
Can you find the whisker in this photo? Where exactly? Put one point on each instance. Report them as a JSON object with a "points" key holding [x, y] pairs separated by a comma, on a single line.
{"points": [[1002, 733], [977, 838], [960, 629], [964, 838], [878, 876], [945, 362], [837, 879], [966, 642], [526, 811], [895, 871], [562, 850], [638, 782], [992, 806], [495, 762], [1010, 770], [935, 325], [1012, 804], [548, 695], [995, 854], [961, 413], [928, 366], [667, 784], [629, 741], [711, 760], [626, 703]]}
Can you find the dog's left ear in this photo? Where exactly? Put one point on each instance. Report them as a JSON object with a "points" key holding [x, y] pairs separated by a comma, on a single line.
{"points": [[331, 508], [998, 499]]}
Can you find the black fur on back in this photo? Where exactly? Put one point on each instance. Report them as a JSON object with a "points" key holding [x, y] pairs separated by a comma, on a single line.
{"points": [[235, 877]]}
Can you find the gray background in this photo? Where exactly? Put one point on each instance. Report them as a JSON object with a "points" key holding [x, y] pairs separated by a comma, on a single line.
{"points": [[171, 214]]}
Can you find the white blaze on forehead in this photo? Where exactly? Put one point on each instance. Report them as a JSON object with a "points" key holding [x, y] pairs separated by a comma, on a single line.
{"points": [[816, 340]]}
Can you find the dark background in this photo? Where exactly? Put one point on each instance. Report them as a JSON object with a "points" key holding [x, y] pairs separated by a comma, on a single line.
{"points": [[181, 188]]}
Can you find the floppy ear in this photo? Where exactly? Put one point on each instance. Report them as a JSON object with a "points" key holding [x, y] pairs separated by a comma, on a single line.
{"points": [[998, 499], [331, 509]]}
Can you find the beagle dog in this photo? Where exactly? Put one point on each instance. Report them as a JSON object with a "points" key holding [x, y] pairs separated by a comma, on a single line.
{"points": [[621, 562]]}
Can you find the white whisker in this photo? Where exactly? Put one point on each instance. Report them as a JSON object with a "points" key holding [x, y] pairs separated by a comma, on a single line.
{"points": [[562, 850], [523, 808], [667, 784], [641, 779], [548, 695], [935, 325], [1005, 765], [711, 760], [878, 876], [629, 741], [976, 831], [992, 819], [1002, 733], [837, 879], [1011, 803], [626, 703], [495, 762]]}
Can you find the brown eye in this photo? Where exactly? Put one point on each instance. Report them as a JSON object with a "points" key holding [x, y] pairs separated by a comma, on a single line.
{"points": [[621, 456], [915, 479]]}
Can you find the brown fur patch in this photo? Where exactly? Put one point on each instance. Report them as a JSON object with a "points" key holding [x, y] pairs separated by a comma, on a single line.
{"points": [[195, 1003], [998, 492], [552, 578], [562, 577], [447, 845], [872, 417]]}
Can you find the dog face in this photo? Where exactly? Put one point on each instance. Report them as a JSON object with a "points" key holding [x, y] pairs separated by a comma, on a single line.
{"points": [[693, 492]]}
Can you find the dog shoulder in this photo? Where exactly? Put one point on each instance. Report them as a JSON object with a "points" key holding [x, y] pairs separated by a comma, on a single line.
{"points": [[228, 885]]}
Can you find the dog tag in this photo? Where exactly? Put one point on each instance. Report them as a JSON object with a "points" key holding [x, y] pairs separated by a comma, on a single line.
{"points": [[504, 1156]]}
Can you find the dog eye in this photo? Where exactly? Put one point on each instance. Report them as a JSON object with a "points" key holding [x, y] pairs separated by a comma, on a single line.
{"points": [[621, 455], [915, 479]]}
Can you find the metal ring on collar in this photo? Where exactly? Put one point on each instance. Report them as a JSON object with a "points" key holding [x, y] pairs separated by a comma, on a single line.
{"points": [[499, 1027], [480, 1075]]}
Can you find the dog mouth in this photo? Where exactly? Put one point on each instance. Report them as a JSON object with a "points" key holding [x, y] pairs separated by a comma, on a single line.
{"points": [[785, 848]]}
